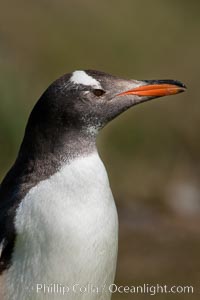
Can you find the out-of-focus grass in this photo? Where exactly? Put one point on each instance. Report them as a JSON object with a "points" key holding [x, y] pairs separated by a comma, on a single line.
{"points": [[150, 151]]}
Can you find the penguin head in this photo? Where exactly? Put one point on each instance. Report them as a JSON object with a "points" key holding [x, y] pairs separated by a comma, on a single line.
{"points": [[87, 100]]}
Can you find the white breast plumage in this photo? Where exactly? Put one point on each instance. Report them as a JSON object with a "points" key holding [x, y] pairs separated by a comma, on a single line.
{"points": [[67, 230]]}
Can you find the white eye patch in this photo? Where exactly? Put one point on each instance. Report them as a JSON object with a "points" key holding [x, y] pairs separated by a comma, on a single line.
{"points": [[81, 77]]}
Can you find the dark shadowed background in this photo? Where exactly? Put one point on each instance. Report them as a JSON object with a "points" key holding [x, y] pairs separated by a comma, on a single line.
{"points": [[152, 151]]}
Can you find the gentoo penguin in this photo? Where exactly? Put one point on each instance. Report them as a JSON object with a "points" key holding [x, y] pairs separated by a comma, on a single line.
{"points": [[58, 220]]}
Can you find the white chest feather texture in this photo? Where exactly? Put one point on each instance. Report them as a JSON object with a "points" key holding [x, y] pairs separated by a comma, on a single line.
{"points": [[67, 231]]}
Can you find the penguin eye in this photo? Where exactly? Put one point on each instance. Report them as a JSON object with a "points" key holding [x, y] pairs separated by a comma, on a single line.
{"points": [[98, 92]]}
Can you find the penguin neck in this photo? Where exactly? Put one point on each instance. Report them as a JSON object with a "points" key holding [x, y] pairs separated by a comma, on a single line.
{"points": [[56, 149], [62, 147], [41, 156]]}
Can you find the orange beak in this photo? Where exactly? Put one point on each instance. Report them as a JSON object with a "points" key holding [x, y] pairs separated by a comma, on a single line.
{"points": [[157, 88]]}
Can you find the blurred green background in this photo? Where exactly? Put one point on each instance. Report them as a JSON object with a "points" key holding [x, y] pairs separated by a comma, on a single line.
{"points": [[152, 151]]}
